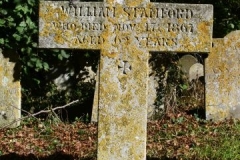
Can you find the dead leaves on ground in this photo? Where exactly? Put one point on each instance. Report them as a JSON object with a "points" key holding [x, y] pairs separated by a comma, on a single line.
{"points": [[174, 136]]}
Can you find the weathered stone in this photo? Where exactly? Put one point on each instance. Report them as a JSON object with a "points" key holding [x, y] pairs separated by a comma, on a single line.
{"points": [[152, 95], [185, 62], [196, 71], [157, 26], [10, 89], [124, 32], [222, 76], [152, 92]]}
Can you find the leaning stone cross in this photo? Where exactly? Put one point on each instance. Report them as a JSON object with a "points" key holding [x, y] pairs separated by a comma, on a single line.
{"points": [[124, 31]]}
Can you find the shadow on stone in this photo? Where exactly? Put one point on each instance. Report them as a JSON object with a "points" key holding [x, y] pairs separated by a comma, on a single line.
{"points": [[14, 58]]}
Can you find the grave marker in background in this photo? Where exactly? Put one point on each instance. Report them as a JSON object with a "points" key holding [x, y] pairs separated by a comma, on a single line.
{"points": [[189, 66], [124, 32], [10, 89], [196, 71], [186, 62], [222, 76]]}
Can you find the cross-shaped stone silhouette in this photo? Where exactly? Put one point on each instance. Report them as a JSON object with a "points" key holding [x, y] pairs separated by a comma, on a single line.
{"points": [[124, 30]]}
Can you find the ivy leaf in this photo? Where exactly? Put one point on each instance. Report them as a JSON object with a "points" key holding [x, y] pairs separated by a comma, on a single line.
{"points": [[34, 59], [45, 66], [2, 22], [30, 24], [231, 25], [30, 64], [23, 24], [18, 8], [25, 9], [183, 87], [20, 29], [31, 2], [36, 80], [1, 41], [39, 64], [64, 54], [34, 44], [60, 57], [3, 11], [17, 37]]}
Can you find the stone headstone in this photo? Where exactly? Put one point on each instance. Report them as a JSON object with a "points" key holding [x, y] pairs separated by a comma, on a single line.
{"points": [[185, 62], [10, 89], [222, 76], [196, 71], [124, 32], [152, 95]]}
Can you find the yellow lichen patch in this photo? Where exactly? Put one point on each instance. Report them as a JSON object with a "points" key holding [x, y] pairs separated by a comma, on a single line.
{"points": [[135, 2], [58, 38], [180, 21], [49, 13], [110, 2], [120, 13], [10, 89], [222, 82], [204, 29]]}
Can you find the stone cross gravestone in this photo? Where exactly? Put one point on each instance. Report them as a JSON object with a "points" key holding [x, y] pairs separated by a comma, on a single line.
{"points": [[152, 95], [10, 89], [124, 32], [222, 76]]}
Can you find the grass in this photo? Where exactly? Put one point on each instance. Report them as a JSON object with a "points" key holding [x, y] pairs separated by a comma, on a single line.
{"points": [[176, 136], [225, 144]]}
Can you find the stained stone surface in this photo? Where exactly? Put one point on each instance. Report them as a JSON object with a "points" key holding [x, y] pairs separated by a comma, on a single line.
{"points": [[185, 62], [222, 76], [10, 89], [196, 71], [124, 31], [155, 26], [152, 95]]}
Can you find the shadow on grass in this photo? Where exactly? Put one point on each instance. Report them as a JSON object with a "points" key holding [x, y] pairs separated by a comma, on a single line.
{"points": [[55, 156], [58, 156], [162, 158]]}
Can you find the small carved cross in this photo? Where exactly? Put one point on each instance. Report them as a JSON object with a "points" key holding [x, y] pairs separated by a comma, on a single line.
{"points": [[124, 67]]}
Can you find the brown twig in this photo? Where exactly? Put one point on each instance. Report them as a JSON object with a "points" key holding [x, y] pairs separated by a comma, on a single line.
{"points": [[40, 112]]}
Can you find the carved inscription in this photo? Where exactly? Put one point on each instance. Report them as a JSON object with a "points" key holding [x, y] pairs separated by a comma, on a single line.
{"points": [[78, 27], [134, 12], [88, 39], [157, 26], [152, 42], [88, 11]]}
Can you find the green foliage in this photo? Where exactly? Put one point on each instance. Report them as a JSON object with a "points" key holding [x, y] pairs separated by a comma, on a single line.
{"points": [[175, 92], [19, 26], [19, 32], [18, 23]]}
